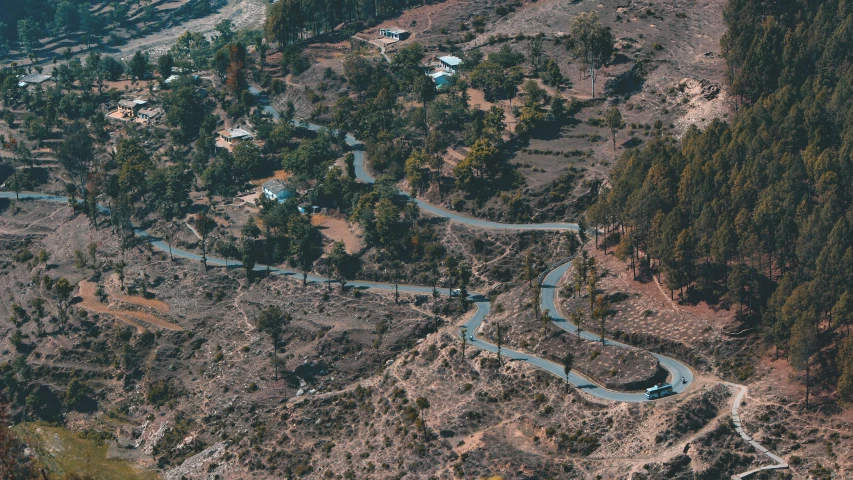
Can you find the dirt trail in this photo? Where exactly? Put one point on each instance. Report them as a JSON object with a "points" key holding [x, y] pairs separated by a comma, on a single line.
{"points": [[91, 303], [375, 44], [158, 305]]}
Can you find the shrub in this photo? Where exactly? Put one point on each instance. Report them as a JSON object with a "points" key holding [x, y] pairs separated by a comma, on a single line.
{"points": [[162, 392]]}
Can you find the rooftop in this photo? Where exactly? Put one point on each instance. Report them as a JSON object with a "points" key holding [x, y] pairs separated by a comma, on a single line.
{"points": [[394, 30], [237, 133], [451, 60], [35, 78], [275, 185]]}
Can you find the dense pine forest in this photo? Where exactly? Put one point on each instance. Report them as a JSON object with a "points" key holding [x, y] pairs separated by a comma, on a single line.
{"points": [[756, 214]]}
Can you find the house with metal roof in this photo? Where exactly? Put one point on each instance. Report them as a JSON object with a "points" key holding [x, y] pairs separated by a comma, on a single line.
{"points": [[450, 63], [231, 136], [277, 190], [33, 79], [394, 33]]}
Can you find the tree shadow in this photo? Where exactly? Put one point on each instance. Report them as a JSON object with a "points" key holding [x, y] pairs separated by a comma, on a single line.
{"points": [[547, 131], [620, 58], [616, 297], [627, 83], [5, 172], [632, 142]]}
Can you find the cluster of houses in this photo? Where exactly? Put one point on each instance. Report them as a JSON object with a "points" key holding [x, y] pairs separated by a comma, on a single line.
{"points": [[441, 72], [135, 110]]}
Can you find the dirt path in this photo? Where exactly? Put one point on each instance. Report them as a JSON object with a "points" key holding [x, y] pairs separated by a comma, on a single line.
{"points": [[375, 44], [27, 229], [778, 464], [192, 229], [453, 157], [158, 305], [91, 303]]}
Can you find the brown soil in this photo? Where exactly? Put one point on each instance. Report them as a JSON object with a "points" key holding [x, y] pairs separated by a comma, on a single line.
{"points": [[278, 174], [120, 296], [131, 317], [337, 230], [478, 100]]}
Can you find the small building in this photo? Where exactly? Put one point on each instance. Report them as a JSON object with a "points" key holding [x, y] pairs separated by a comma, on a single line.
{"points": [[175, 77], [148, 115], [235, 135], [450, 63], [130, 107], [394, 33], [128, 110], [33, 79], [229, 137], [277, 190], [441, 79]]}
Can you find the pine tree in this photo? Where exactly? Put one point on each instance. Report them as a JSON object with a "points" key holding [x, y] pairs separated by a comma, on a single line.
{"points": [[568, 363], [273, 322]]}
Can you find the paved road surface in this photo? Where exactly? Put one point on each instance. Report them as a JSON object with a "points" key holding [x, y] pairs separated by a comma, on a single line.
{"points": [[481, 302], [362, 174], [680, 375]]}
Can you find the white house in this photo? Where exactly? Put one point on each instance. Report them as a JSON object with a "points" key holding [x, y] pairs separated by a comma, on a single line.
{"points": [[394, 33], [234, 135], [277, 190], [450, 63]]}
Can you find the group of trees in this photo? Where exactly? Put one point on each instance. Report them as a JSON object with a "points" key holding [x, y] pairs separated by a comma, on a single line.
{"points": [[408, 141], [759, 213], [402, 141], [71, 97]]}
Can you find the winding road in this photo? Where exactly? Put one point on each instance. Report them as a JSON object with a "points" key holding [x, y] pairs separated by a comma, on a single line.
{"points": [[677, 370], [680, 374], [362, 175]]}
